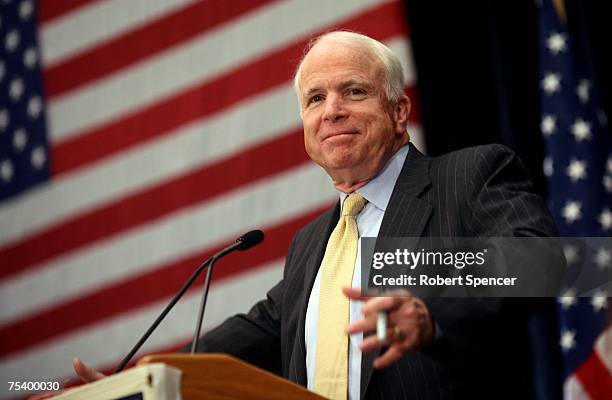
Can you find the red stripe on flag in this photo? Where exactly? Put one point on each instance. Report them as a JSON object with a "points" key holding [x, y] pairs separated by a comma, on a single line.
{"points": [[156, 284], [197, 102], [595, 378], [51, 9], [143, 42], [239, 169]]}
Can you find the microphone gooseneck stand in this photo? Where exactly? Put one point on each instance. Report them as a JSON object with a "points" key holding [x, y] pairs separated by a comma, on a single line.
{"points": [[244, 242], [196, 334], [161, 316]]}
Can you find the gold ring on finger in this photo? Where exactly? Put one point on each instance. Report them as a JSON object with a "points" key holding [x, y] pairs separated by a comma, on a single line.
{"points": [[398, 335]]}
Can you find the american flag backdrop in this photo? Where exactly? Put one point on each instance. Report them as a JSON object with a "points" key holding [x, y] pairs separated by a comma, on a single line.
{"points": [[579, 170], [137, 138]]}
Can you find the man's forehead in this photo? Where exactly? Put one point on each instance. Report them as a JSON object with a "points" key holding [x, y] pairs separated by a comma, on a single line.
{"points": [[325, 63], [338, 52]]}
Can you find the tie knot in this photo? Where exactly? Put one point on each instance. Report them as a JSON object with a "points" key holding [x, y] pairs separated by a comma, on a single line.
{"points": [[353, 204]]}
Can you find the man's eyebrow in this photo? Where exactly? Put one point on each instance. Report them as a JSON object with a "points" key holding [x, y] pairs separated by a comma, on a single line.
{"points": [[310, 91], [343, 85], [352, 82]]}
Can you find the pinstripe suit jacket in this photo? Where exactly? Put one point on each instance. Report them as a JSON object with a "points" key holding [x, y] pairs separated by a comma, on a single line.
{"points": [[476, 192]]}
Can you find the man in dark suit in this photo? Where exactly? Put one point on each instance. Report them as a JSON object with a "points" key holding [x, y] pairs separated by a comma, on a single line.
{"points": [[355, 114]]}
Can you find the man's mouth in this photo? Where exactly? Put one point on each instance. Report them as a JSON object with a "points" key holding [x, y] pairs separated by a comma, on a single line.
{"points": [[338, 134]]}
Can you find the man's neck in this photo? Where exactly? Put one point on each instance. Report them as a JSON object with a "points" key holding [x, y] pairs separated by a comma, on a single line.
{"points": [[349, 188]]}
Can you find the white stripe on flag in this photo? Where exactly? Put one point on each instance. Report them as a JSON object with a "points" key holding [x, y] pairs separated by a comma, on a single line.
{"points": [[603, 346], [89, 26], [402, 48], [573, 390], [416, 137]]}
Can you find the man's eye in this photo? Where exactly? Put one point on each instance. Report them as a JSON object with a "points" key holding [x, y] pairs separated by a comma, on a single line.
{"points": [[356, 91], [315, 99]]}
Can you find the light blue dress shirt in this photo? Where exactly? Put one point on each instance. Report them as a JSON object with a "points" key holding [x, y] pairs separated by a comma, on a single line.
{"points": [[377, 192]]}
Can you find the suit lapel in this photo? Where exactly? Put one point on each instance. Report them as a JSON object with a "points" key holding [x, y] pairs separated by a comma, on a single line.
{"points": [[406, 213], [406, 216], [316, 250]]}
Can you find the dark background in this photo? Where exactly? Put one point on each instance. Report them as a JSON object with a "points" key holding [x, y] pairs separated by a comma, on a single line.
{"points": [[478, 79], [477, 70]]}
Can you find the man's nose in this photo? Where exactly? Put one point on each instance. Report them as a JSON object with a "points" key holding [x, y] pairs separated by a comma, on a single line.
{"points": [[334, 109]]}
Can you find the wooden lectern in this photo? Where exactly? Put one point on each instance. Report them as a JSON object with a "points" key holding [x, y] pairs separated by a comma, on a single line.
{"points": [[219, 376], [198, 376]]}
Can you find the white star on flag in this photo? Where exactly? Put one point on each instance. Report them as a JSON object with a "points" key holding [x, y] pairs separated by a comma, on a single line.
{"points": [[602, 258], [25, 9], [602, 117], [599, 301], [12, 41], [16, 89], [576, 170], [548, 167], [34, 106], [38, 157], [30, 58], [4, 119], [568, 299], [571, 212], [607, 182], [556, 43], [568, 340], [20, 138], [581, 130], [548, 126], [605, 219], [551, 83], [582, 90], [6, 170]]}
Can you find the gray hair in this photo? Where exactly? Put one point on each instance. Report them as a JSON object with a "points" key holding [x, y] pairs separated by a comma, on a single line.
{"points": [[393, 73]]}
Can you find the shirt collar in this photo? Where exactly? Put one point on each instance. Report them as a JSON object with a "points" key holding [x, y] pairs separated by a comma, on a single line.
{"points": [[378, 190]]}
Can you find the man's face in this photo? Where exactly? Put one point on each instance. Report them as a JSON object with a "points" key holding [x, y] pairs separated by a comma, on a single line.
{"points": [[350, 128]]}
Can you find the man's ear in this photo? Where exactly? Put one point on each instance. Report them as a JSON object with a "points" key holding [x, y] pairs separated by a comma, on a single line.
{"points": [[401, 110]]}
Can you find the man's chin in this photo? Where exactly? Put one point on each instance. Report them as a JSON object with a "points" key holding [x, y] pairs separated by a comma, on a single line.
{"points": [[340, 164]]}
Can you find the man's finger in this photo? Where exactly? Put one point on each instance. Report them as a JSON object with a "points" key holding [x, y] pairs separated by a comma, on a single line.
{"points": [[371, 343], [381, 304], [367, 324], [353, 293], [85, 373]]}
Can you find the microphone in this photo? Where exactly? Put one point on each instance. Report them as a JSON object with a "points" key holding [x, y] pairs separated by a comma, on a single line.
{"points": [[250, 239], [244, 242]]}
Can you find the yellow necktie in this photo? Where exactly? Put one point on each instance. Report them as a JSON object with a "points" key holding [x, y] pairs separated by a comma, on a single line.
{"points": [[331, 363]]}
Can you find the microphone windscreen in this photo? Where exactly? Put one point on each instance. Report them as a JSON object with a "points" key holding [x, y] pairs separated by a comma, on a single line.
{"points": [[250, 239]]}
